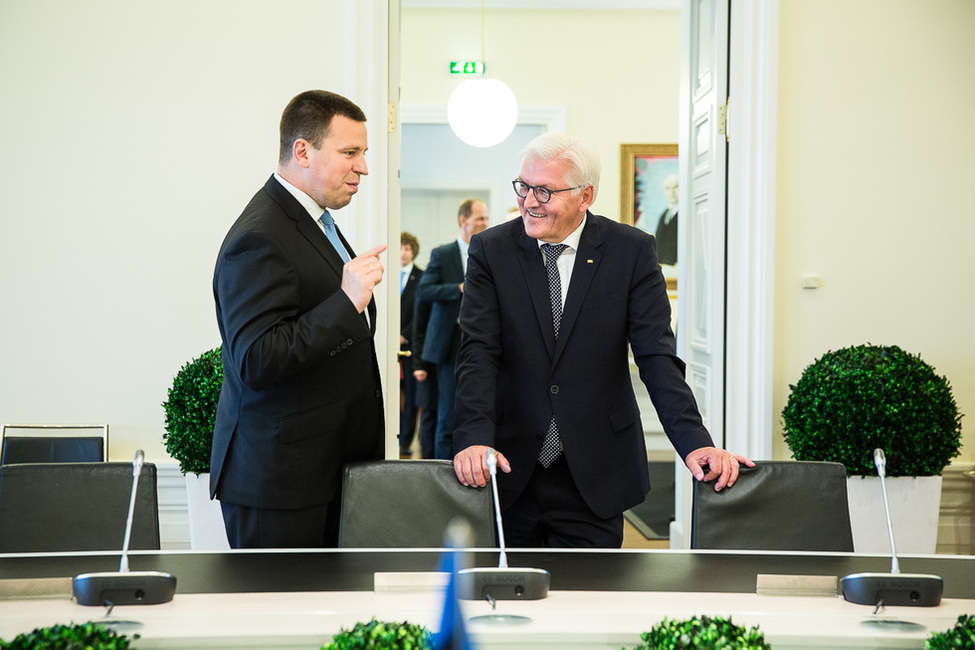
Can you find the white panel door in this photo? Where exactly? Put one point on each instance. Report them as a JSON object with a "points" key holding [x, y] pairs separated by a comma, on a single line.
{"points": [[702, 226]]}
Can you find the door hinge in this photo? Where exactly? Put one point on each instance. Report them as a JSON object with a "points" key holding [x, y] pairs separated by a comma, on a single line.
{"points": [[391, 118], [723, 120]]}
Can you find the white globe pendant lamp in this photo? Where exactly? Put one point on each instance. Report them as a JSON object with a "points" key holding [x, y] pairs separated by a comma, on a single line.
{"points": [[482, 112]]}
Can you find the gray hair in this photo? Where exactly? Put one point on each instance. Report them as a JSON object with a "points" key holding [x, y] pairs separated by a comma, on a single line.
{"points": [[581, 155]]}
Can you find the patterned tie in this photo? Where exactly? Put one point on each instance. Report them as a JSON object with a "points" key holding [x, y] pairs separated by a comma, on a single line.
{"points": [[552, 445], [333, 235]]}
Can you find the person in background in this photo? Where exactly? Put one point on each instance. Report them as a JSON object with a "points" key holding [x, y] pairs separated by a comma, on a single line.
{"points": [[301, 394], [553, 304], [425, 374], [409, 278], [442, 286]]}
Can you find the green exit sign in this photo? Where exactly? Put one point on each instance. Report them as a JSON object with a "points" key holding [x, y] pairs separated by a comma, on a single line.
{"points": [[467, 68]]}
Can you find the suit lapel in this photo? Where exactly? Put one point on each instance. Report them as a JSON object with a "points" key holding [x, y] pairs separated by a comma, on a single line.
{"points": [[587, 261], [310, 231], [533, 268], [308, 228]]}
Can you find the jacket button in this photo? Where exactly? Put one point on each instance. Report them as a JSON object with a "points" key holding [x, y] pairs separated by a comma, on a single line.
{"points": [[554, 389], [379, 394]]}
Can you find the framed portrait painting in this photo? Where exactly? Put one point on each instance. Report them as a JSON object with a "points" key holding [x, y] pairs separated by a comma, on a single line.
{"points": [[648, 171]]}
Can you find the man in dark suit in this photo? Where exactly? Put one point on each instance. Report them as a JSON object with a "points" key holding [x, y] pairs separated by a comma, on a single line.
{"points": [[301, 394], [409, 278], [443, 286], [549, 387]]}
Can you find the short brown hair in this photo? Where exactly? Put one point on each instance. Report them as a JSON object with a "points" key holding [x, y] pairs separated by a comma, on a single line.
{"points": [[309, 115], [409, 239], [466, 208]]}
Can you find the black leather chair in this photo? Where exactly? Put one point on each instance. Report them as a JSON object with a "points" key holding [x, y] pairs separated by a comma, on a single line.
{"points": [[52, 443], [75, 507], [408, 503], [776, 505]]}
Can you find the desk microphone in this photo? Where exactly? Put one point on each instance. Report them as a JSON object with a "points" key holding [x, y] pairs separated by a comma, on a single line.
{"points": [[894, 588], [125, 587], [502, 583]]}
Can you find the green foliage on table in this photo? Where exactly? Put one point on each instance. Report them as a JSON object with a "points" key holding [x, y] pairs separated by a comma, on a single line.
{"points": [[849, 402], [191, 410], [84, 636], [379, 635], [962, 635], [704, 633]]}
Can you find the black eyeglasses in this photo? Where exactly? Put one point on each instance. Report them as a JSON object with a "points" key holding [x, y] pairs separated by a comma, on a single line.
{"points": [[542, 194]]}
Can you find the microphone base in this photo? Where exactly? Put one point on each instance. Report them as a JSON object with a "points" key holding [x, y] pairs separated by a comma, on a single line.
{"points": [[895, 589], [124, 588], [503, 583]]}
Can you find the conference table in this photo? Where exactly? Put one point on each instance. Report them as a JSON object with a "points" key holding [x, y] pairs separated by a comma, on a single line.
{"points": [[598, 598]]}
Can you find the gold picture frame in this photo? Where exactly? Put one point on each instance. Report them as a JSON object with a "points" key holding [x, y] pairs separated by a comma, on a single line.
{"points": [[642, 165]]}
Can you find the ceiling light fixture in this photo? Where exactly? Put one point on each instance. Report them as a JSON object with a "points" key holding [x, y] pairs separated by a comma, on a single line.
{"points": [[482, 112]]}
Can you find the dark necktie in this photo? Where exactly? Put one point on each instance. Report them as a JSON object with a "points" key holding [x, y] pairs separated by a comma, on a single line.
{"points": [[333, 236], [552, 445]]}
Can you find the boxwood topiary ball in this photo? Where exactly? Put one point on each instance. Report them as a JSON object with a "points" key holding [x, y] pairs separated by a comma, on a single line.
{"points": [[191, 411], [849, 402]]}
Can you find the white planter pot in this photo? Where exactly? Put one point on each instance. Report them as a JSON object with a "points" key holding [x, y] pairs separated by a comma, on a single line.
{"points": [[915, 503], [206, 519]]}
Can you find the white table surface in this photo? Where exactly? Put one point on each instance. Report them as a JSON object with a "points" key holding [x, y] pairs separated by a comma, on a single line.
{"points": [[565, 619]]}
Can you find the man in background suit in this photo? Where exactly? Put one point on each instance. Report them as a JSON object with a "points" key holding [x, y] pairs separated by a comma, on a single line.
{"points": [[543, 374], [425, 374], [409, 278], [443, 286], [301, 394]]}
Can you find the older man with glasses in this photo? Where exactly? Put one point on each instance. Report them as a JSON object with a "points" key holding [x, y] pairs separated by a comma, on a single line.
{"points": [[552, 304]]}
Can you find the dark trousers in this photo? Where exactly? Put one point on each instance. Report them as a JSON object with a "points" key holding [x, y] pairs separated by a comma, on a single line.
{"points": [[407, 414], [551, 513], [428, 415], [446, 384], [316, 527]]}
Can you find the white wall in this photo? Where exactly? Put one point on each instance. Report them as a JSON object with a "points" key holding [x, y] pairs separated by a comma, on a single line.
{"points": [[876, 186], [133, 134]]}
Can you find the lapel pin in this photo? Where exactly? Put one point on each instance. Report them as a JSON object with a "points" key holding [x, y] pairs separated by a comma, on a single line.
{"points": [[588, 261]]}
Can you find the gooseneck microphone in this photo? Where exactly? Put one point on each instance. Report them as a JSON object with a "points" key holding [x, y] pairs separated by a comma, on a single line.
{"points": [[502, 583], [894, 588], [125, 587]]}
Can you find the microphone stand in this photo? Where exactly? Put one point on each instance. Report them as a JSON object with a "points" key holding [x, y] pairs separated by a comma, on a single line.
{"points": [[503, 582], [894, 588], [124, 587]]}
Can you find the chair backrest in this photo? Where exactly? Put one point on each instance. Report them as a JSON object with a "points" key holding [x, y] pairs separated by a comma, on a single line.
{"points": [[53, 443], [408, 503], [776, 505], [75, 507]]}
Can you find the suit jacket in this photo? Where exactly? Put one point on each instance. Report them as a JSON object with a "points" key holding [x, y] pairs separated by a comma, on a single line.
{"points": [[407, 302], [440, 286], [301, 391], [513, 375]]}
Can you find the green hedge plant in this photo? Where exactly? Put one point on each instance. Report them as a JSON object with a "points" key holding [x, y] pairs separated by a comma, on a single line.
{"points": [[83, 636], [962, 635], [191, 410], [381, 635], [851, 401], [705, 633]]}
